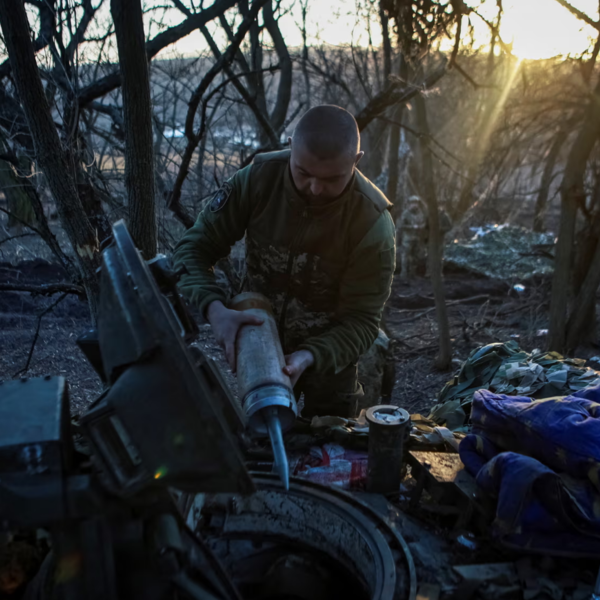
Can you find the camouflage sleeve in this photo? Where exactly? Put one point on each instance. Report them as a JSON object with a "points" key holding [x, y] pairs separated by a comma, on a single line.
{"points": [[221, 223], [364, 290]]}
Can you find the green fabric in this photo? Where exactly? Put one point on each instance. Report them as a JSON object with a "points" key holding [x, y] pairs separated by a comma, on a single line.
{"points": [[506, 369], [333, 395], [327, 270]]}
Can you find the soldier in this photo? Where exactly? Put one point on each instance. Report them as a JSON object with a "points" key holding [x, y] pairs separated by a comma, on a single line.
{"points": [[412, 229], [320, 244]]}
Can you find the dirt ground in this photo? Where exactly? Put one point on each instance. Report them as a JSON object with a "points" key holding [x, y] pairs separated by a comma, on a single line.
{"points": [[481, 311]]}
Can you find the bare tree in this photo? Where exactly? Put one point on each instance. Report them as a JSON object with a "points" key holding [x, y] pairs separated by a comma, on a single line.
{"points": [[541, 203], [137, 118], [198, 100], [567, 328], [444, 357], [48, 147]]}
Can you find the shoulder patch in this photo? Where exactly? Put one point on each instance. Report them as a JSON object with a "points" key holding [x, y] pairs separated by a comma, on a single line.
{"points": [[221, 196]]}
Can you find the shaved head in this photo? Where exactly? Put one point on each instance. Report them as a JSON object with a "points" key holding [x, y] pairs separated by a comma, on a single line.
{"points": [[327, 132]]}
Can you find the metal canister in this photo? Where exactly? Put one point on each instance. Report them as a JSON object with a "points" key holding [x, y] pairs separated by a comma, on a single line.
{"points": [[267, 397], [389, 426]]}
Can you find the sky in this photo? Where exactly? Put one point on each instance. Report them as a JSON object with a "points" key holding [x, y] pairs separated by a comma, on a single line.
{"points": [[536, 28], [543, 28]]}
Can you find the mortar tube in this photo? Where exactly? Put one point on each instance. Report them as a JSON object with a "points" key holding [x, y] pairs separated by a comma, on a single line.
{"points": [[268, 400], [386, 447]]}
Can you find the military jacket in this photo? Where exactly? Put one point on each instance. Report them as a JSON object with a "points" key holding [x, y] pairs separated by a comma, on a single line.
{"points": [[327, 270], [414, 218]]}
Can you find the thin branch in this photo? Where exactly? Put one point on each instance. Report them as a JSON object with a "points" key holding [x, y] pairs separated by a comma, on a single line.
{"points": [[154, 46], [44, 289], [580, 14], [476, 85], [418, 135], [456, 41], [284, 89], [44, 231], [47, 30], [496, 31], [393, 96], [588, 67], [193, 138], [15, 237], [114, 112], [471, 300], [23, 222], [37, 333], [250, 101]]}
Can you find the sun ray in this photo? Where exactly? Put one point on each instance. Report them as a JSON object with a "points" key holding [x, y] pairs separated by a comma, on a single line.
{"points": [[496, 111]]}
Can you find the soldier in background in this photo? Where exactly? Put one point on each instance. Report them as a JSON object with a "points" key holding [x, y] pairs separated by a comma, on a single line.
{"points": [[412, 232]]}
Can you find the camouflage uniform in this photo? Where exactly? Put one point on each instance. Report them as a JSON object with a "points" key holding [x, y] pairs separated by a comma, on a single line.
{"points": [[327, 270], [412, 229], [445, 226]]}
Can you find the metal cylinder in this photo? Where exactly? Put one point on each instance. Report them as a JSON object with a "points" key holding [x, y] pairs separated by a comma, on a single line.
{"points": [[266, 391], [259, 365], [389, 426]]}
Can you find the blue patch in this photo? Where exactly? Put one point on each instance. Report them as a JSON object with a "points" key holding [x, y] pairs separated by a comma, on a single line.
{"points": [[221, 196]]}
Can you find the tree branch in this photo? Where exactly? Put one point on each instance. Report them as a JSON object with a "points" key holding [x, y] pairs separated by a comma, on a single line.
{"points": [[44, 289], [392, 95], [89, 11], [456, 41], [154, 46], [15, 237], [45, 232], [284, 88], [193, 138], [476, 85], [579, 14], [37, 333], [49, 151], [261, 118], [47, 30]]}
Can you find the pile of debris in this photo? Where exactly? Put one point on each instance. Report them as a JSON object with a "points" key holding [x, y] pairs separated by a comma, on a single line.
{"points": [[503, 252]]}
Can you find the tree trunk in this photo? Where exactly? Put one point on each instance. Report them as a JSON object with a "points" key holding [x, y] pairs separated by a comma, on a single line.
{"points": [[284, 86], [581, 326], [393, 163], [572, 193], [374, 145], [579, 323], [387, 44], [137, 116], [50, 154], [394, 147], [444, 358], [542, 198]]}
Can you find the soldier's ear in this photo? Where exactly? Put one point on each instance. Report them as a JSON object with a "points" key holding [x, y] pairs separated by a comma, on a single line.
{"points": [[290, 142], [358, 157]]}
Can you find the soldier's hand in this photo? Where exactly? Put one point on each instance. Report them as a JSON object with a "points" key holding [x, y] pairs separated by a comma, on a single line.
{"points": [[226, 324], [297, 363]]}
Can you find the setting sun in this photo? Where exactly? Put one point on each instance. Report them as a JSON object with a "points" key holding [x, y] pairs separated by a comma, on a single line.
{"points": [[536, 29], [543, 28]]}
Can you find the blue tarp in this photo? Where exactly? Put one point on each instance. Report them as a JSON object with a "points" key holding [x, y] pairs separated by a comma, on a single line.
{"points": [[541, 460]]}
